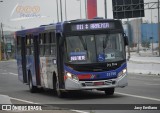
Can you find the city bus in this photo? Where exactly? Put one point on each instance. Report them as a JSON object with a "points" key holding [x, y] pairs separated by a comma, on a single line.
{"points": [[73, 55]]}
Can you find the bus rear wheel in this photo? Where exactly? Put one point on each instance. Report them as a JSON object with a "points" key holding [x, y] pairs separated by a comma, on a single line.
{"points": [[32, 88], [109, 91]]}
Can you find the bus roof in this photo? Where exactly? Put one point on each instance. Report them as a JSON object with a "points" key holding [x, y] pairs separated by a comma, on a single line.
{"points": [[89, 20], [36, 30]]}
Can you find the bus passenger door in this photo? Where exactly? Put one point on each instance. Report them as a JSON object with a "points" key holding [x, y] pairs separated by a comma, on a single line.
{"points": [[60, 62], [36, 59], [23, 54]]}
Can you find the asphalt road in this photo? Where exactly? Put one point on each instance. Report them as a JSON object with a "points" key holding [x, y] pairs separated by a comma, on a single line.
{"points": [[142, 89]]}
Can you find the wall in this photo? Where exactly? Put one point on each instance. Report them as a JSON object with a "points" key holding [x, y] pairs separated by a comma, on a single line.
{"points": [[150, 30]]}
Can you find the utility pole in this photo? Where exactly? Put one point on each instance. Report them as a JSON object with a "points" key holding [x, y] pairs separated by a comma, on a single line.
{"points": [[86, 8], [151, 38], [65, 10], [137, 34], [61, 10], [1, 45], [57, 11], [105, 8], [158, 28], [129, 55], [80, 9], [0, 41]]}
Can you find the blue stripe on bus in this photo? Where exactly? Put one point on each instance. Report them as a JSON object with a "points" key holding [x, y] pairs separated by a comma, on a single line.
{"points": [[101, 75]]}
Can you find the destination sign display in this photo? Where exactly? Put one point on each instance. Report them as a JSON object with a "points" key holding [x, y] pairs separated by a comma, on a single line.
{"points": [[92, 26]]}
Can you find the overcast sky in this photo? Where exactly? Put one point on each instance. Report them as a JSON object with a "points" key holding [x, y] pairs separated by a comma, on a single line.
{"points": [[46, 12]]}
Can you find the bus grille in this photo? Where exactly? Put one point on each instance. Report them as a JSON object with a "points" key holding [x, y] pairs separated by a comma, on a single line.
{"points": [[99, 83]]}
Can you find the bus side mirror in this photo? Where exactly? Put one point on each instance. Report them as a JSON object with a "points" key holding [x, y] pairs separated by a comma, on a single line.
{"points": [[126, 40]]}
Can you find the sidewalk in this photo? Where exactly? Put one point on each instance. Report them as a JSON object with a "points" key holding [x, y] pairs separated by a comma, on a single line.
{"points": [[144, 65], [4, 99], [145, 59]]}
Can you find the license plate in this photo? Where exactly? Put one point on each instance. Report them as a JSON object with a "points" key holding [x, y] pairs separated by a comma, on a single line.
{"points": [[98, 83]]}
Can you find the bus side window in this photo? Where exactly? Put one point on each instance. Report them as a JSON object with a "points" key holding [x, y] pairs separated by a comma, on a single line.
{"points": [[41, 47], [31, 44], [18, 45], [47, 44], [53, 44], [28, 44]]}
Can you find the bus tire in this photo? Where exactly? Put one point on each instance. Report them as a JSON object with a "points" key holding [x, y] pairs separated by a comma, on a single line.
{"points": [[59, 93], [54, 84], [32, 88], [109, 91]]}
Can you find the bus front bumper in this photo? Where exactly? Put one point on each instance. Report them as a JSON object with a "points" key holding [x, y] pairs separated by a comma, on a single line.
{"points": [[71, 84]]}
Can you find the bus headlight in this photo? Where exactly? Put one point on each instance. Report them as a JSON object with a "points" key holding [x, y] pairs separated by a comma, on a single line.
{"points": [[122, 73], [71, 76]]}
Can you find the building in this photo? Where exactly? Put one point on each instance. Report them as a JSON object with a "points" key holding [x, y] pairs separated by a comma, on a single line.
{"points": [[139, 32]]}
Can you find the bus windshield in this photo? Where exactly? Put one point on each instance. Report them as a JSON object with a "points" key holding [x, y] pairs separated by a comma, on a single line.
{"points": [[94, 48]]}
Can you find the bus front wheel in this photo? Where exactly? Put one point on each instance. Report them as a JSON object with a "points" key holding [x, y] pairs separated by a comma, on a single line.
{"points": [[58, 91], [109, 91], [32, 88]]}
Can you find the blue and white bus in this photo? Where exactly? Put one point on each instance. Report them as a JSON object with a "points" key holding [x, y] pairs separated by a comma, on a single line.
{"points": [[73, 55]]}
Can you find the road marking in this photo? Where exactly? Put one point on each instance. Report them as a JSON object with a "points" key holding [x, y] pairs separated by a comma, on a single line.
{"points": [[78, 111], [8, 61], [4, 73], [152, 84], [26, 101], [23, 100], [13, 74], [10, 73], [137, 96]]}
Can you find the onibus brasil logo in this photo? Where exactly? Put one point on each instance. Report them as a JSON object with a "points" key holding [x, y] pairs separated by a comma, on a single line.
{"points": [[21, 107], [21, 12]]}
